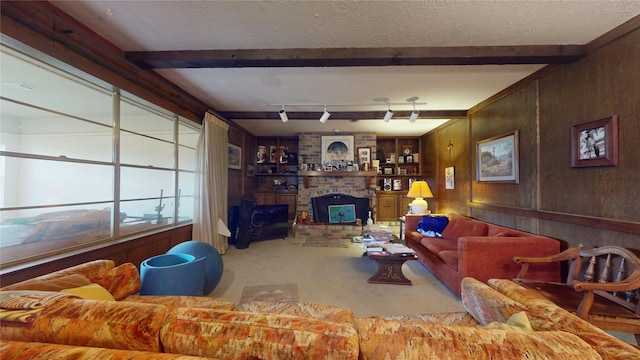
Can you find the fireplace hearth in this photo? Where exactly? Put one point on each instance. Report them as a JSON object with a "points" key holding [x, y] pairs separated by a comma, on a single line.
{"points": [[339, 209]]}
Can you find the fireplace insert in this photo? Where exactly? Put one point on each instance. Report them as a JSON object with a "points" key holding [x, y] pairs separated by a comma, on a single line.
{"points": [[339, 209]]}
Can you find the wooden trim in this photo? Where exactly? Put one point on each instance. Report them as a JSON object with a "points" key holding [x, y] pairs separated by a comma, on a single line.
{"points": [[346, 115], [314, 57], [581, 220]]}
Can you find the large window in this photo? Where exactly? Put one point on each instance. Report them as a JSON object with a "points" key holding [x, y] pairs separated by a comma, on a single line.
{"points": [[82, 162]]}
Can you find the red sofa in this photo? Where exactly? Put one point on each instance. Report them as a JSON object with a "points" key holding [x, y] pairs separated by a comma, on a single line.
{"points": [[472, 248]]}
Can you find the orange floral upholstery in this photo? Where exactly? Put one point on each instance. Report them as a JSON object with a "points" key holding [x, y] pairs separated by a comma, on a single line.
{"points": [[389, 339], [547, 316], [249, 335], [451, 318], [18, 350], [174, 302], [316, 311], [120, 281], [109, 324]]}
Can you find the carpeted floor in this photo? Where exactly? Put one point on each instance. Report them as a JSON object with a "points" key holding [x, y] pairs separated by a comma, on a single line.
{"points": [[333, 276]]}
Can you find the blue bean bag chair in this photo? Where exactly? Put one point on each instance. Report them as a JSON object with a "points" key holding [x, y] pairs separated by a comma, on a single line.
{"points": [[213, 266], [172, 274]]}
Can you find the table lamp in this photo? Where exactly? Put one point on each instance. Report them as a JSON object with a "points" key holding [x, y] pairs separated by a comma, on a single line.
{"points": [[419, 190]]}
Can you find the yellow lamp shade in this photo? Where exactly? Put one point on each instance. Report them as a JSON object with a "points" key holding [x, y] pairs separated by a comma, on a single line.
{"points": [[419, 190]]}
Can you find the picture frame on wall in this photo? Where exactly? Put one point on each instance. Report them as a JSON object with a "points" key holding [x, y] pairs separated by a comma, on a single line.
{"points": [[251, 170], [235, 157], [364, 155], [449, 178], [595, 143], [337, 149], [497, 159]]}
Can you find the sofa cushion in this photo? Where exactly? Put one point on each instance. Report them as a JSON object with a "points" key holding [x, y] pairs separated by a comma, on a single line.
{"points": [[55, 284], [175, 301], [109, 324], [433, 223], [388, 339], [461, 318], [42, 351], [121, 281], [462, 226], [435, 245], [450, 257], [249, 335], [316, 311], [486, 304]]}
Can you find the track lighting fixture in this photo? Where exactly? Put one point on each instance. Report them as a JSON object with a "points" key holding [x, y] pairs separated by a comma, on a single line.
{"points": [[325, 116], [414, 116], [379, 102], [283, 115], [388, 115], [414, 113]]}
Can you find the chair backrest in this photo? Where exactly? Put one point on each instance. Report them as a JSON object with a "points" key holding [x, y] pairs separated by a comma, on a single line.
{"points": [[609, 264]]}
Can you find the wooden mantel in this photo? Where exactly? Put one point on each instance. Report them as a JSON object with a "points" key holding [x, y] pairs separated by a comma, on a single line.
{"points": [[367, 174]]}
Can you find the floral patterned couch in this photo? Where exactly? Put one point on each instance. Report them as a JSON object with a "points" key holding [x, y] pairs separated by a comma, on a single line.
{"points": [[90, 311]]}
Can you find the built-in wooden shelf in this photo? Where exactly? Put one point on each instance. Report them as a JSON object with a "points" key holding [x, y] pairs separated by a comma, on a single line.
{"points": [[367, 174]]}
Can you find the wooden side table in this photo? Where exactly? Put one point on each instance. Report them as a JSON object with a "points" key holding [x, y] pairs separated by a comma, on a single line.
{"points": [[390, 269]]}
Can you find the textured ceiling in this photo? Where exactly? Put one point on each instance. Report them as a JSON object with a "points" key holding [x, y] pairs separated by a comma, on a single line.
{"points": [[209, 25]]}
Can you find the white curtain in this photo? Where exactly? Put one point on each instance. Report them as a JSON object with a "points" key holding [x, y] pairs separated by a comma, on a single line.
{"points": [[211, 187]]}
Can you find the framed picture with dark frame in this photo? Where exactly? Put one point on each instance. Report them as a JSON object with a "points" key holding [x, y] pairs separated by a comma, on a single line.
{"points": [[497, 159], [595, 143], [235, 157], [364, 155]]}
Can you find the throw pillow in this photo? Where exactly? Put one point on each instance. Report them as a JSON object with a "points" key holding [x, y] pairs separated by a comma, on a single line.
{"points": [[517, 321], [461, 226], [91, 292], [121, 281], [433, 223]]}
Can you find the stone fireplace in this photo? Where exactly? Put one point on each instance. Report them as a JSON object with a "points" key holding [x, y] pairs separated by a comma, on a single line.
{"points": [[330, 183]]}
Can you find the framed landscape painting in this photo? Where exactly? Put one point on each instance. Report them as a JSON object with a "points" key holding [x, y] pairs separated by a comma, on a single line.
{"points": [[235, 157], [497, 159]]}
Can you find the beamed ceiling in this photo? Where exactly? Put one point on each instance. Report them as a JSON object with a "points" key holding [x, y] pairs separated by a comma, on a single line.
{"points": [[245, 59]]}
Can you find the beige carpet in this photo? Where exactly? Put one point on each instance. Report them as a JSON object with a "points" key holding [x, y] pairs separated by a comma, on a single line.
{"points": [[333, 276]]}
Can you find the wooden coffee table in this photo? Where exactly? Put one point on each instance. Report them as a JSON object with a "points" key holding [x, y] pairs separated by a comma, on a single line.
{"points": [[390, 269]]}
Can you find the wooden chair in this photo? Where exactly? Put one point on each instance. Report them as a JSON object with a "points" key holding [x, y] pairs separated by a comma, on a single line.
{"points": [[608, 300]]}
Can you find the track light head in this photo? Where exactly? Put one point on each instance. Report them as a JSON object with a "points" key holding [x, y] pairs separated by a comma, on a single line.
{"points": [[325, 116], [283, 116], [388, 115], [414, 116]]}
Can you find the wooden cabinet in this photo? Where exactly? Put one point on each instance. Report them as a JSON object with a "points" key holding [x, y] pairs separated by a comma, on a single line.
{"points": [[387, 207], [277, 163], [392, 204], [270, 197]]}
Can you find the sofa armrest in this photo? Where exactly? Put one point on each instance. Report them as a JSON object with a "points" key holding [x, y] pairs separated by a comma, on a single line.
{"points": [[486, 257]]}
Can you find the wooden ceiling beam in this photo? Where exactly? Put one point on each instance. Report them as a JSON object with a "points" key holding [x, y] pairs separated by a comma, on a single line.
{"points": [[339, 115], [334, 57]]}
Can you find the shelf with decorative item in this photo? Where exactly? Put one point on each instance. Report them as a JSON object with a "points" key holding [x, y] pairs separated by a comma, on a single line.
{"points": [[367, 174]]}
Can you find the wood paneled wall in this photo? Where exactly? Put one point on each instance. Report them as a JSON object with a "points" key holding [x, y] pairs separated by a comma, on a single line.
{"points": [[593, 206], [133, 251]]}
